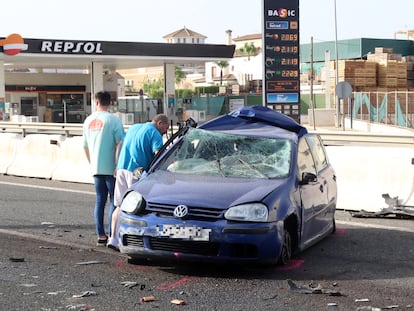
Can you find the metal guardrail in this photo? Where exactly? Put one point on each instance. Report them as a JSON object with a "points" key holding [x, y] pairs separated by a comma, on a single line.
{"points": [[67, 129], [24, 128], [339, 138], [330, 138]]}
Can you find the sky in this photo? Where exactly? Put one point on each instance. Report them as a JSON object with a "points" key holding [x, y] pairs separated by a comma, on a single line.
{"points": [[150, 20]]}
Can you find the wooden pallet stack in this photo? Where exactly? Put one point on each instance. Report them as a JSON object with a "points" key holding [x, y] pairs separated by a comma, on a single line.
{"points": [[359, 73], [391, 70], [409, 60]]}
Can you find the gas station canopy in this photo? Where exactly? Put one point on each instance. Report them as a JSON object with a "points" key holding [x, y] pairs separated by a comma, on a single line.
{"points": [[51, 53]]}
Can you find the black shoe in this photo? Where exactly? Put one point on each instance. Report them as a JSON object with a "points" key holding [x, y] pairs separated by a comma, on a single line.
{"points": [[102, 242]]}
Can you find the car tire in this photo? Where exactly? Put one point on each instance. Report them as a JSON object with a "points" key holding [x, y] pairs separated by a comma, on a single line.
{"points": [[333, 225], [136, 261], [286, 253]]}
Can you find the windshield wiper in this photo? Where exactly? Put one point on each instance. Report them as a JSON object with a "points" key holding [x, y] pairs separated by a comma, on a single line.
{"points": [[219, 167]]}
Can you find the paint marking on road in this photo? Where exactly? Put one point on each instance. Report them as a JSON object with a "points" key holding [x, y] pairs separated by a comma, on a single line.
{"points": [[176, 284], [374, 226], [292, 265], [46, 188]]}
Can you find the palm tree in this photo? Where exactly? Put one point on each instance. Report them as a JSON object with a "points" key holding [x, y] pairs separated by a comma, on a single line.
{"points": [[222, 64], [248, 50]]}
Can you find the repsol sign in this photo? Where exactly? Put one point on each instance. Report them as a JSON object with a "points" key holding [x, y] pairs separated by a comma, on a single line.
{"points": [[70, 47]]}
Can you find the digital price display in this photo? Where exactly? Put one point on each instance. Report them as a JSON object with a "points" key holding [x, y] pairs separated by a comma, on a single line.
{"points": [[281, 56]]}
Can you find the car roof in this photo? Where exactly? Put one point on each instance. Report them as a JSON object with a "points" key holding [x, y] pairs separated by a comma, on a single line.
{"points": [[256, 121]]}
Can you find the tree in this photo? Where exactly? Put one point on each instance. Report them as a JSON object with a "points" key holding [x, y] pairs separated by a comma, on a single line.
{"points": [[248, 50], [154, 88], [222, 64], [179, 74]]}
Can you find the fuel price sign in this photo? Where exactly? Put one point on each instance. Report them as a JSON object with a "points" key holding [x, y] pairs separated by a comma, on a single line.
{"points": [[281, 56]]}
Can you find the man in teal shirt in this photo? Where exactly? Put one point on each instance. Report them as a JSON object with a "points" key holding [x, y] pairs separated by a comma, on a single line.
{"points": [[102, 135]]}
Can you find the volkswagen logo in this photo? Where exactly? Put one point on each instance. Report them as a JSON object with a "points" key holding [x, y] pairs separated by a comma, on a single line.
{"points": [[181, 211]]}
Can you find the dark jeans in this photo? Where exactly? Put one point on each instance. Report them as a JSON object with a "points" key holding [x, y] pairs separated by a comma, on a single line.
{"points": [[104, 185]]}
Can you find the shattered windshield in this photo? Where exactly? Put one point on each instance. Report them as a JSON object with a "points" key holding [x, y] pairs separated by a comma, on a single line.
{"points": [[202, 152]]}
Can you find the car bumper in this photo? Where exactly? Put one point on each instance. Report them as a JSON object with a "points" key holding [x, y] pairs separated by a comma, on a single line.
{"points": [[143, 237]]}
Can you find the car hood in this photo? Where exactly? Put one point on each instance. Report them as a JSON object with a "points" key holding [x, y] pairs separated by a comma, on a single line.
{"points": [[204, 191]]}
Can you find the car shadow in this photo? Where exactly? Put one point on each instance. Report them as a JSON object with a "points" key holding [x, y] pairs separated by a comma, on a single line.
{"points": [[345, 255]]}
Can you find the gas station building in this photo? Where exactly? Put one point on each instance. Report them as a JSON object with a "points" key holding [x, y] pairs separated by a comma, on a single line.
{"points": [[49, 80]]}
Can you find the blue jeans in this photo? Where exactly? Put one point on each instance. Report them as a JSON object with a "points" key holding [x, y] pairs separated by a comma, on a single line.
{"points": [[104, 185]]}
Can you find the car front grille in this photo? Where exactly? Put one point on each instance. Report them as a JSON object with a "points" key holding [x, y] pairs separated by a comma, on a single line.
{"points": [[133, 240], [187, 247], [196, 213], [191, 247]]}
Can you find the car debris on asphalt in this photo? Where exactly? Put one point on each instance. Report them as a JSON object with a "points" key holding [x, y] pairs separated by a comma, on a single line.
{"points": [[178, 302], [132, 284], [85, 294], [91, 262], [312, 290], [393, 210], [147, 298]]}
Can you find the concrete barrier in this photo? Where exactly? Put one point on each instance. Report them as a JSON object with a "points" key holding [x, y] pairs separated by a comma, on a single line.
{"points": [[37, 155], [365, 173], [8, 146], [73, 165]]}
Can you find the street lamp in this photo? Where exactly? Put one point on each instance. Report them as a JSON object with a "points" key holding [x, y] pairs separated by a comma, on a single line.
{"points": [[336, 68]]}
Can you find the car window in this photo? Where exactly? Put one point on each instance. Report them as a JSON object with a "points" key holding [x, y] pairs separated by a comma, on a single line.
{"points": [[305, 159], [318, 151], [202, 152]]}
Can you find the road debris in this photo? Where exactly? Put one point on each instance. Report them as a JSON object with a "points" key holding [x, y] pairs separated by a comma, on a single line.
{"points": [[47, 223], [178, 302], [85, 294], [28, 285], [369, 308], [16, 259], [147, 298], [130, 284], [91, 262], [312, 290], [56, 293], [80, 307], [362, 300], [394, 209]]}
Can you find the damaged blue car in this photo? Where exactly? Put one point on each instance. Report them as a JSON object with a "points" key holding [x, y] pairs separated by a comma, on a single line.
{"points": [[252, 186]]}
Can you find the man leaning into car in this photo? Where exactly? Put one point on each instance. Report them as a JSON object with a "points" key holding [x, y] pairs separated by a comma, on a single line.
{"points": [[141, 143]]}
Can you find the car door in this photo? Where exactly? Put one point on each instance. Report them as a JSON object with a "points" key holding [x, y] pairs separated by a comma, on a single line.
{"points": [[313, 197], [323, 213]]}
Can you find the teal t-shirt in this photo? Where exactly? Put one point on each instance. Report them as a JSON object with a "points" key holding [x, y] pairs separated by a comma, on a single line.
{"points": [[102, 131], [140, 142]]}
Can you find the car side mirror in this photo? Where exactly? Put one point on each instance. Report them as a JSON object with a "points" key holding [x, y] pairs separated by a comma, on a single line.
{"points": [[308, 178]]}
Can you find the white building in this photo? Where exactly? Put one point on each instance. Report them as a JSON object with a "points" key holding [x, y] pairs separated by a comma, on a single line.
{"points": [[244, 70]]}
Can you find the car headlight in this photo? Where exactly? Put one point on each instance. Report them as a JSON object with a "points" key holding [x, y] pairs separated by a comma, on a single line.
{"points": [[133, 203], [255, 212]]}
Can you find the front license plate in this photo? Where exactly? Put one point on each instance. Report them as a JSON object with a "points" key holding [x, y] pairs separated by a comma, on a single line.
{"points": [[182, 232]]}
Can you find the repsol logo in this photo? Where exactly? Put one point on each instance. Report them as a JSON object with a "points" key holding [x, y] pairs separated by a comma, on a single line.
{"points": [[71, 47], [282, 13]]}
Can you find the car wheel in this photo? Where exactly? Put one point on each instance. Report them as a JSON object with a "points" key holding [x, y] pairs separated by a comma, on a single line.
{"points": [[286, 253], [333, 225]]}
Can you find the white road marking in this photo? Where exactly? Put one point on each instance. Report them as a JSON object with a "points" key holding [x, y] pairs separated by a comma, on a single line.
{"points": [[46, 188], [375, 226]]}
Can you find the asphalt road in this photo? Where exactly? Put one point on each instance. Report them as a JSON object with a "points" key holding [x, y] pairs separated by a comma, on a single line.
{"points": [[49, 261]]}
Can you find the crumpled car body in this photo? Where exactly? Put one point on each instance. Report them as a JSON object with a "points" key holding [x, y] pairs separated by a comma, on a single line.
{"points": [[250, 186]]}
